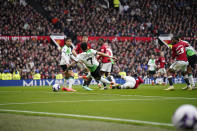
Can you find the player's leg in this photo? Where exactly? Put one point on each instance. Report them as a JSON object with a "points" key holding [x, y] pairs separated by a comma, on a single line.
{"points": [[190, 75], [97, 76], [104, 73], [71, 79], [170, 77], [159, 77], [69, 76], [65, 74], [87, 83], [152, 76], [170, 73], [185, 76], [192, 61], [164, 76]]}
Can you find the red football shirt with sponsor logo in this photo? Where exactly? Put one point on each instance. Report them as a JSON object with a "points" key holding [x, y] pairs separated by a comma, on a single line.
{"points": [[179, 52], [161, 61], [105, 49]]}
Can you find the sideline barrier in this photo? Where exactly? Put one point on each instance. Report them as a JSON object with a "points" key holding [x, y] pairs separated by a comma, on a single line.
{"points": [[50, 82], [43, 82]]}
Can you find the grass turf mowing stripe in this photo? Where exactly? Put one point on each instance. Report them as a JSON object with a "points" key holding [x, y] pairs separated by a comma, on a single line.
{"points": [[186, 98], [73, 101], [90, 117]]}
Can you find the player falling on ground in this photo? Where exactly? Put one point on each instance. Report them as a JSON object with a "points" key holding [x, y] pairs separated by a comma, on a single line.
{"points": [[88, 57], [161, 65], [181, 62], [66, 56], [106, 66], [82, 66], [130, 82]]}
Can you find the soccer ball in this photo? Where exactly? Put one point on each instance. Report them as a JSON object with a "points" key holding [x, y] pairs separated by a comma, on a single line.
{"points": [[185, 117], [56, 87]]}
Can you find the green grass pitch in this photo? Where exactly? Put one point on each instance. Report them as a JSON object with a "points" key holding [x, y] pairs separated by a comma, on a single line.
{"points": [[39, 108]]}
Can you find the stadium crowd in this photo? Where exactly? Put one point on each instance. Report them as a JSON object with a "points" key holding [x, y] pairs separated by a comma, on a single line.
{"points": [[23, 20], [29, 57], [89, 17], [135, 18], [37, 55]]}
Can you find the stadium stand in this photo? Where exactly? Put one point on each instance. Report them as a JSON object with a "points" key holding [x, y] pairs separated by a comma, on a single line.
{"points": [[88, 17]]}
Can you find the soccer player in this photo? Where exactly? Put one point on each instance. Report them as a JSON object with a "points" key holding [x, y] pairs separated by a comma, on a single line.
{"points": [[88, 57], [66, 56], [78, 46], [192, 59], [161, 66], [106, 66], [130, 82], [181, 61], [152, 68], [81, 66]]}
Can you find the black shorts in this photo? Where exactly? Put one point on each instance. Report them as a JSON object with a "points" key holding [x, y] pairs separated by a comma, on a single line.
{"points": [[152, 72], [192, 60], [112, 67], [97, 73], [64, 67]]}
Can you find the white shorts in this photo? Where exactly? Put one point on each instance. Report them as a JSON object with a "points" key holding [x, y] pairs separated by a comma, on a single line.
{"points": [[106, 67], [162, 71], [180, 66]]}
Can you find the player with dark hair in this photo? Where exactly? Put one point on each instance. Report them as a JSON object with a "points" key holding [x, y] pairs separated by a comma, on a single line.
{"points": [[192, 59], [81, 66], [88, 57], [161, 65], [106, 65], [66, 56], [152, 69], [181, 61]]}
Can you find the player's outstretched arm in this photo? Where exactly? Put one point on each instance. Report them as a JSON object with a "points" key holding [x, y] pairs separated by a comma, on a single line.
{"points": [[105, 55], [74, 53]]}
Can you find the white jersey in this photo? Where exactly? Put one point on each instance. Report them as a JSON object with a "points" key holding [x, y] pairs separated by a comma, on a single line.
{"points": [[129, 82], [89, 59], [66, 55], [152, 65]]}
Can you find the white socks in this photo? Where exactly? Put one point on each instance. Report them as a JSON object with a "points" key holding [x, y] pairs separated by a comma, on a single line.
{"points": [[65, 82], [191, 80], [105, 80], [71, 82]]}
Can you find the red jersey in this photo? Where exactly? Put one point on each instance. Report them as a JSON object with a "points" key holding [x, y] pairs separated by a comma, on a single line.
{"points": [[179, 52], [161, 61], [78, 48], [105, 49]]}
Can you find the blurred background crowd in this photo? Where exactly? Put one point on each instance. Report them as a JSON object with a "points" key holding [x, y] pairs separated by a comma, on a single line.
{"points": [[73, 18]]}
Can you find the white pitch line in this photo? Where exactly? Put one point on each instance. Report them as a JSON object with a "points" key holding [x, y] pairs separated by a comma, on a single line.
{"points": [[91, 117], [187, 98], [73, 101], [9, 91]]}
